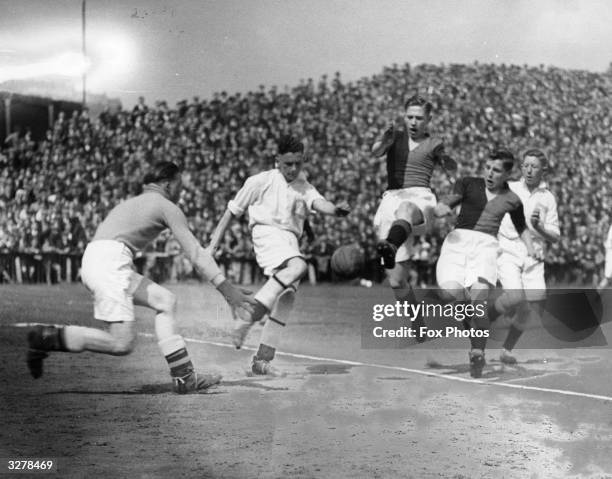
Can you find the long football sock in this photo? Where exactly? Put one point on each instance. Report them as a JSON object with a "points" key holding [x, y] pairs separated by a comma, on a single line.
{"points": [[174, 350], [480, 323], [273, 329], [399, 232], [512, 338]]}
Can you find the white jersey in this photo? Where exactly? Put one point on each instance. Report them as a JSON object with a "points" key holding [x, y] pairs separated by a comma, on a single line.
{"points": [[271, 201], [538, 199], [608, 246], [608, 243]]}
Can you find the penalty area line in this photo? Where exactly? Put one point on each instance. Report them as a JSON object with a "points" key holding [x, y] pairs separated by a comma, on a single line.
{"points": [[419, 372]]}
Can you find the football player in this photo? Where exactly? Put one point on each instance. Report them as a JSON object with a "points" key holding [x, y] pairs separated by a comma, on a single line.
{"points": [[108, 272], [411, 156], [467, 269], [278, 202], [521, 276]]}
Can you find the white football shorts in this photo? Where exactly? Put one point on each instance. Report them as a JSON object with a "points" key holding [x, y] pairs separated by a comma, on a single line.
{"points": [[516, 270], [386, 214], [467, 256], [107, 270], [273, 246]]}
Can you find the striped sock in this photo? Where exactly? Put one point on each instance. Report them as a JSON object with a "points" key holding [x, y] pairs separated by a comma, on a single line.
{"points": [[174, 350]]}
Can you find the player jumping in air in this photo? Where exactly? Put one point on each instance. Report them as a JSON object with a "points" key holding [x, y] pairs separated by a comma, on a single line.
{"points": [[411, 155], [108, 272], [467, 269], [520, 275], [278, 202]]}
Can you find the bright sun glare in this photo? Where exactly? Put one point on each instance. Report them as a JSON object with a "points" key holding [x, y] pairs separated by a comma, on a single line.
{"points": [[109, 58]]}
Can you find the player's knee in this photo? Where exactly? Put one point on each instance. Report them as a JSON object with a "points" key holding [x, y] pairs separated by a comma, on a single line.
{"points": [[397, 281], [295, 269], [167, 303], [123, 348], [411, 213], [123, 343], [452, 292]]}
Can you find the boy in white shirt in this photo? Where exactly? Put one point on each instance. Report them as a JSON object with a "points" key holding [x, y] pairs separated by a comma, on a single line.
{"points": [[278, 202], [522, 277]]}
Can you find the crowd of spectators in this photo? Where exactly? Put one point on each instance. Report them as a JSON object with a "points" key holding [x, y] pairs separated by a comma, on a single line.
{"points": [[54, 192]]}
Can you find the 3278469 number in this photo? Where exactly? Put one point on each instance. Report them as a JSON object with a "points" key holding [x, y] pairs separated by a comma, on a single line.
{"points": [[28, 465]]}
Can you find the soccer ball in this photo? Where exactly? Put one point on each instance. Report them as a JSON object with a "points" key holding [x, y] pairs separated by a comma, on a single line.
{"points": [[348, 261]]}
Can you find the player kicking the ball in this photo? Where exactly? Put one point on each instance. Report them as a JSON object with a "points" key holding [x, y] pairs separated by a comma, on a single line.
{"points": [[520, 275], [278, 202], [467, 268], [411, 155], [108, 271]]}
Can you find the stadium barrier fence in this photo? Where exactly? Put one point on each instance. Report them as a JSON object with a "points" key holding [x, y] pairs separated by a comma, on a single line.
{"points": [[161, 267]]}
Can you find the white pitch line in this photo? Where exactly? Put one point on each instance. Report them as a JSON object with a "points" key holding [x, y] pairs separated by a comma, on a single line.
{"points": [[521, 387]]}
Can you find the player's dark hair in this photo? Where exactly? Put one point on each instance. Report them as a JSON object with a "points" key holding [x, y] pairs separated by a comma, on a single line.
{"points": [[418, 100], [539, 154], [289, 144], [505, 155], [162, 171]]}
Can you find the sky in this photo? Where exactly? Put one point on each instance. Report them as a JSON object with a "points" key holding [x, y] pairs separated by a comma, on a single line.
{"points": [[176, 49]]}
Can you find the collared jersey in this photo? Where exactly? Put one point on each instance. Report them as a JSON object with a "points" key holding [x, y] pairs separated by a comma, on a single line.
{"points": [[540, 198], [407, 168], [271, 201], [139, 220], [478, 213]]}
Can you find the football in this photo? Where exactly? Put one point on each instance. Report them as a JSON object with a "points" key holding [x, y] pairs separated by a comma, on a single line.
{"points": [[348, 261]]}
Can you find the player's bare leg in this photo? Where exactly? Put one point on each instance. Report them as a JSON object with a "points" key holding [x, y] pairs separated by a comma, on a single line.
{"points": [[479, 293], [272, 333], [526, 312], [402, 291], [117, 341], [450, 292], [407, 216], [510, 303], [184, 377], [266, 297]]}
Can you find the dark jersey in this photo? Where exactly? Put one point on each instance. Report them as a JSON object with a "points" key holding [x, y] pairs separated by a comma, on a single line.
{"points": [[480, 214], [405, 168]]}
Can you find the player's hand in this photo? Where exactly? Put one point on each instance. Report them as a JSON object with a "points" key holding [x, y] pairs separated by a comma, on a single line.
{"points": [[342, 209], [535, 219], [240, 300], [537, 256], [389, 135], [442, 209]]}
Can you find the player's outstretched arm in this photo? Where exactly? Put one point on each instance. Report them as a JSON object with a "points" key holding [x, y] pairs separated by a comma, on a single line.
{"points": [[215, 239], [381, 145], [240, 300], [328, 208]]}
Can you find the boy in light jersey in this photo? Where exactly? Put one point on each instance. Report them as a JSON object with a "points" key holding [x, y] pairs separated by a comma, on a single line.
{"points": [[108, 272], [520, 275], [278, 202], [466, 269]]}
